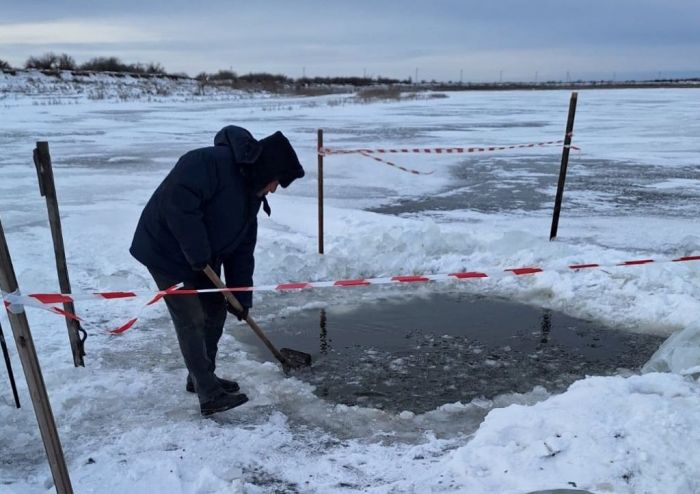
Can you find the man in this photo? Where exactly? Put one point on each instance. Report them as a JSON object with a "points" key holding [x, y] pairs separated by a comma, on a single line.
{"points": [[205, 213]]}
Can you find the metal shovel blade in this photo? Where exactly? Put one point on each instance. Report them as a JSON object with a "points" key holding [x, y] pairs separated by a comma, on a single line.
{"points": [[295, 359]]}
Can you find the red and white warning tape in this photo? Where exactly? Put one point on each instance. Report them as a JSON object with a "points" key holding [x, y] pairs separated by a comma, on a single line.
{"points": [[402, 168], [371, 153], [325, 151], [15, 302]]}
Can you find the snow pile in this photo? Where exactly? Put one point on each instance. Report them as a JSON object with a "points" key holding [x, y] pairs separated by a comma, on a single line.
{"points": [[602, 435]]}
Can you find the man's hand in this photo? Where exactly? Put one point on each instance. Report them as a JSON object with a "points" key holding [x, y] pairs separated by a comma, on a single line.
{"points": [[241, 316], [198, 266]]}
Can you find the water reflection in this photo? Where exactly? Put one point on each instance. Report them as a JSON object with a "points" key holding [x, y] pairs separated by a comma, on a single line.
{"points": [[545, 326], [324, 345]]}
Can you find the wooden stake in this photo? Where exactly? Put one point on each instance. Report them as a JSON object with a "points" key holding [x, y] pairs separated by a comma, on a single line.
{"points": [[47, 187], [32, 372], [564, 165], [320, 191], [8, 365]]}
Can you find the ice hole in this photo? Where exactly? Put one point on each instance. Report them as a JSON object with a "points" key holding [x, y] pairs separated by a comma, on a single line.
{"points": [[419, 353]]}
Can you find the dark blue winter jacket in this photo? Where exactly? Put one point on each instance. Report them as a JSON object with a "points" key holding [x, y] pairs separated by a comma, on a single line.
{"points": [[204, 211]]}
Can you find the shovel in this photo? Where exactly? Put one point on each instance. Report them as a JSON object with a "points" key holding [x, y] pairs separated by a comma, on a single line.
{"points": [[290, 359]]}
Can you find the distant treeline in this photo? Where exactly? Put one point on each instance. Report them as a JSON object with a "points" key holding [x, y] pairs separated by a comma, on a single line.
{"points": [[266, 79], [54, 62]]}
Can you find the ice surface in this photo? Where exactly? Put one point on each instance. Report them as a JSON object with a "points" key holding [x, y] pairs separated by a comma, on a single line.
{"points": [[679, 354], [125, 421]]}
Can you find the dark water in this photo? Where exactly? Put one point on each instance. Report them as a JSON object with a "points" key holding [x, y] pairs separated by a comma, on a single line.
{"points": [[420, 353]]}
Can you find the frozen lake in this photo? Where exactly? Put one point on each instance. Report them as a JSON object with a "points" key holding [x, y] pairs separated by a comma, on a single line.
{"points": [[460, 388]]}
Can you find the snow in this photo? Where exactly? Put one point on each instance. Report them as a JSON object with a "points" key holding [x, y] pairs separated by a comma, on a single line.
{"points": [[126, 423], [74, 87]]}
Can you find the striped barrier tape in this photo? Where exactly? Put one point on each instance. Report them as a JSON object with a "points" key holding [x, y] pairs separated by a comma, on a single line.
{"points": [[14, 302], [387, 162], [326, 151], [159, 295], [371, 153]]}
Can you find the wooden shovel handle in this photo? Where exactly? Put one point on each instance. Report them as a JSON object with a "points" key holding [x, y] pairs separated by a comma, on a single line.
{"points": [[237, 305]]}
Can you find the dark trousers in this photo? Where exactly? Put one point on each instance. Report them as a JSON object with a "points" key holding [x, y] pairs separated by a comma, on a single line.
{"points": [[199, 324]]}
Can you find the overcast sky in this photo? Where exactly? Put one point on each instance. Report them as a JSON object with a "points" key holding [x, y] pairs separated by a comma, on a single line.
{"points": [[486, 40]]}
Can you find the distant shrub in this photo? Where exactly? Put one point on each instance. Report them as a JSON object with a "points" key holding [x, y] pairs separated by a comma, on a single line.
{"points": [[264, 78], [66, 62], [114, 64], [151, 68], [51, 61], [4, 65], [222, 75], [103, 64]]}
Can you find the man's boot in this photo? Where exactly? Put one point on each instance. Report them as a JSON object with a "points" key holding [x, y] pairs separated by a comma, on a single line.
{"points": [[229, 386], [224, 401]]}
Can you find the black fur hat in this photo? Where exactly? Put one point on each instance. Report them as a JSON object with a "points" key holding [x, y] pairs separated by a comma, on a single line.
{"points": [[277, 161]]}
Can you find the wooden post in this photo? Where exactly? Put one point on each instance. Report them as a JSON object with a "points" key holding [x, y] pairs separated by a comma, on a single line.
{"points": [[8, 364], [32, 372], [47, 187], [320, 191], [564, 165]]}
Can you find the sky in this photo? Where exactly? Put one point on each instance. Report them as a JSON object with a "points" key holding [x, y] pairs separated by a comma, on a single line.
{"points": [[443, 40]]}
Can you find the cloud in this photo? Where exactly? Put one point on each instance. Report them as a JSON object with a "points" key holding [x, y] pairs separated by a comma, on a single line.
{"points": [[441, 38], [75, 32]]}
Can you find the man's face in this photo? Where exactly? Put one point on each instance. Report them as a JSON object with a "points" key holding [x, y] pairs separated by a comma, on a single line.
{"points": [[271, 188]]}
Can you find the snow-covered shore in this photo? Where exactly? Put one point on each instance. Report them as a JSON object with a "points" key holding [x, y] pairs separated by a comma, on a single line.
{"points": [[31, 86]]}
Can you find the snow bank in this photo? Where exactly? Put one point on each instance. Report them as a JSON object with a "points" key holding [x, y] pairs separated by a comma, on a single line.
{"points": [[604, 434]]}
